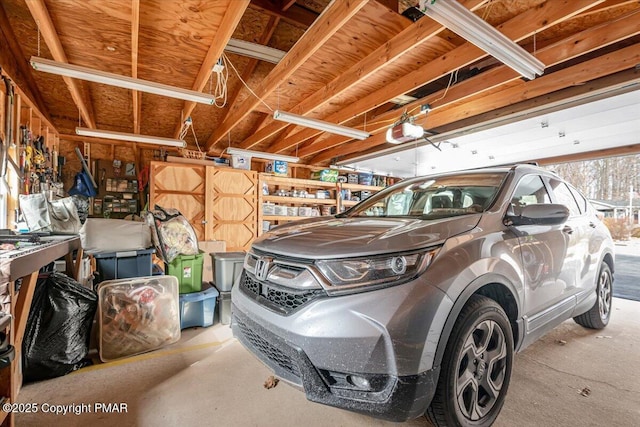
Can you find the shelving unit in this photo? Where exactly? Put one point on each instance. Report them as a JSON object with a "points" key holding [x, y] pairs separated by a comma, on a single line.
{"points": [[117, 194], [344, 204], [334, 202], [296, 200]]}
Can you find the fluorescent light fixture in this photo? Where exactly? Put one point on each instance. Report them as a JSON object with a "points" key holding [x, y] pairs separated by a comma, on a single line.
{"points": [[466, 24], [320, 125], [255, 50], [261, 155], [83, 73], [131, 137]]}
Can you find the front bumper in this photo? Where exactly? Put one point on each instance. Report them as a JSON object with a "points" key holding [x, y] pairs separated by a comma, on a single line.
{"points": [[401, 398], [388, 336]]}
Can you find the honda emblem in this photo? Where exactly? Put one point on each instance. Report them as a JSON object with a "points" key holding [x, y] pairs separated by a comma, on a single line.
{"points": [[263, 264]]}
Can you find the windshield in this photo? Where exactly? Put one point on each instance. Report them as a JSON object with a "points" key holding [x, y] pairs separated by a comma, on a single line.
{"points": [[433, 197]]}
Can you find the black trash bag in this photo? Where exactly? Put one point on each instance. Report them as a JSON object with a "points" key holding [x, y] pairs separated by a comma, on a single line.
{"points": [[56, 339]]}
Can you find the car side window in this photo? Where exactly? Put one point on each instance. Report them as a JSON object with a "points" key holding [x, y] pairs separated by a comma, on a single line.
{"points": [[564, 196], [582, 202], [530, 190]]}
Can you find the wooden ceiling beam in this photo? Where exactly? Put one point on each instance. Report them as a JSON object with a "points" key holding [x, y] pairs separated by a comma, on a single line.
{"points": [[404, 41], [390, 4], [607, 5], [571, 47], [597, 89], [252, 63], [590, 155], [227, 26], [286, 4], [332, 19], [13, 62], [135, 31], [524, 25], [77, 89], [294, 14], [576, 75]]}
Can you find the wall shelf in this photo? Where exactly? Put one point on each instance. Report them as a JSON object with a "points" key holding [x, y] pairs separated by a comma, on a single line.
{"points": [[360, 187], [284, 217], [274, 183], [298, 200]]}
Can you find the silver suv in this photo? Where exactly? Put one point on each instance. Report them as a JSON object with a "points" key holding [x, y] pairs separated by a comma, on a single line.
{"points": [[414, 301]]}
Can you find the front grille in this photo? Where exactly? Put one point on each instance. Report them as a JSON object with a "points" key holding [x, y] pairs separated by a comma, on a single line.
{"points": [[269, 351], [277, 298], [284, 258]]}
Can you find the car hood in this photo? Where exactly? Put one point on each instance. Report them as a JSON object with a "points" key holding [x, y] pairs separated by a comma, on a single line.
{"points": [[325, 238]]}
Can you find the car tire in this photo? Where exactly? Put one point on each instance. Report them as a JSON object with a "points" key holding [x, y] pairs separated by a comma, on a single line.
{"points": [[598, 316], [476, 367]]}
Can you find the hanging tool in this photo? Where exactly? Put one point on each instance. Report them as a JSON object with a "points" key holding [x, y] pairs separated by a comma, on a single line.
{"points": [[86, 168], [4, 147]]}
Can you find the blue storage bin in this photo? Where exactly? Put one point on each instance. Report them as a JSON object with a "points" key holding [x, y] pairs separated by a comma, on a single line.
{"points": [[123, 265], [198, 308]]}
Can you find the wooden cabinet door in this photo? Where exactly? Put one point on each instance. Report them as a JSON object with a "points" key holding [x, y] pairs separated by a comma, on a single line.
{"points": [[231, 207], [180, 186]]}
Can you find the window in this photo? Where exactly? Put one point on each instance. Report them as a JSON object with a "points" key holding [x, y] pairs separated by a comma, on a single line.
{"points": [[582, 202], [564, 196], [434, 198], [530, 191]]}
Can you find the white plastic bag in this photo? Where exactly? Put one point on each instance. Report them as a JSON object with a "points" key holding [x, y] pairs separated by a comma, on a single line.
{"points": [[35, 210], [63, 214], [59, 216]]}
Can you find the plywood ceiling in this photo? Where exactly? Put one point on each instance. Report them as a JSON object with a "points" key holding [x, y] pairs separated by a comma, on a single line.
{"points": [[345, 62]]}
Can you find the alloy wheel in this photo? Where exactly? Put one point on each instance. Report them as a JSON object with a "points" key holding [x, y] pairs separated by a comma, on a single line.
{"points": [[604, 294], [481, 370]]}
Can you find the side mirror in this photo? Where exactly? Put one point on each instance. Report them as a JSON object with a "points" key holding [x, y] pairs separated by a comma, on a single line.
{"points": [[538, 214]]}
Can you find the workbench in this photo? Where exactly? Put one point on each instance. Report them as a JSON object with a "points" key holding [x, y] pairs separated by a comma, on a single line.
{"points": [[24, 263]]}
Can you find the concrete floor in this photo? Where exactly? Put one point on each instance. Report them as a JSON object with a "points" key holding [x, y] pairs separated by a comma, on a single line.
{"points": [[209, 379]]}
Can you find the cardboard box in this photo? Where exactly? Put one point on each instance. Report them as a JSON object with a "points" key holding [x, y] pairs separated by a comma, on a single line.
{"points": [[277, 167], [240, 162], [327, 175]]}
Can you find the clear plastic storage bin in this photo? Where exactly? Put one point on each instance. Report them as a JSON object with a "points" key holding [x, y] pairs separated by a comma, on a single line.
{"points": [[137, 315]]}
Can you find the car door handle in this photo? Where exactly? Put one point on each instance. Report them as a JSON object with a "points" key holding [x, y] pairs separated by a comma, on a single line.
{"points": [[567, 229]]}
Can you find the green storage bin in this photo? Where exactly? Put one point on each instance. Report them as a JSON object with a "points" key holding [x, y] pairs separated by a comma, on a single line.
{"points": [[188, 270]]}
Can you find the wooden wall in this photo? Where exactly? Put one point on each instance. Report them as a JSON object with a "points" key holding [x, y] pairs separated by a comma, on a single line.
{"points": [[23, 113]]}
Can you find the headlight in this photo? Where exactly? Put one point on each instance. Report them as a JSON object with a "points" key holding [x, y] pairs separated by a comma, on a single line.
{"points": [[371, 271]]}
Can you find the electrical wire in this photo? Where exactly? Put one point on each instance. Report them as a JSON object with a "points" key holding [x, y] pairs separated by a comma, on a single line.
{"points": [[185, 127], [222, 77], [195, 138], [227, 60], [451, 82], [487, 9]]}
